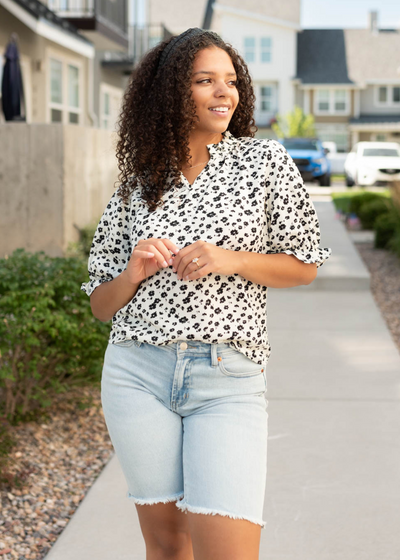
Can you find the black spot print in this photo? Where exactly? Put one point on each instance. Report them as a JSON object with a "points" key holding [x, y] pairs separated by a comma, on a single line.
{"points": [[249, 197]]}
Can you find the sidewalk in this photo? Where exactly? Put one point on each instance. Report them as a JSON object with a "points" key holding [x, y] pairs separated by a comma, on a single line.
{"points": [[333, 483]]}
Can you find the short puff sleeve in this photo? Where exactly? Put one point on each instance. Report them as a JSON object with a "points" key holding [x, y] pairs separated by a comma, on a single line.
{"points": [[292, 225], [111, 246]]}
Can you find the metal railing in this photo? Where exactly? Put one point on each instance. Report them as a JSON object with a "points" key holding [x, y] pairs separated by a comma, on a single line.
{"points": [[114, 12], [142, 38]]}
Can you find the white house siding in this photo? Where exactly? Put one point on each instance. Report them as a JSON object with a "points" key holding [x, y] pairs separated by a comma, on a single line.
{"points": [[282, 68], [369, 105]]}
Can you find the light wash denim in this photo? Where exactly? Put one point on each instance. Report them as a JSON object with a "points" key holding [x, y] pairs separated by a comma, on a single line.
{"points": [[189, 423]]}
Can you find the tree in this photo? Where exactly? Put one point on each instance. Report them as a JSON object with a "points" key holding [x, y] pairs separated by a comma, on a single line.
{"points": [[294, 124]]}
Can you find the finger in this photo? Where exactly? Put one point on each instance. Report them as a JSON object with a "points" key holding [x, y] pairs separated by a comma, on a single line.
{"points": [[186, 255], [172, 246], [199, 273], [143, 254], [165, 246], [189, 267], [157, 255]]}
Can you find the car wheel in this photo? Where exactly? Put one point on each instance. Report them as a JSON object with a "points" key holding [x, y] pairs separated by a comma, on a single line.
{"points": [[349, 182], [325, 180]]}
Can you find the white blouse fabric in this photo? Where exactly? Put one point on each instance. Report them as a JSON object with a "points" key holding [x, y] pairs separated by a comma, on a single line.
{"points": [[249, 197]]}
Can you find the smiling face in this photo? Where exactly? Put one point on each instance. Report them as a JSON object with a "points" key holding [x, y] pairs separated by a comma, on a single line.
{"points": [[214, 87]]}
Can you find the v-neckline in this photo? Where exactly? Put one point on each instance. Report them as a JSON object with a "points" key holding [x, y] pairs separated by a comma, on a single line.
{"points": [[187, 180]]}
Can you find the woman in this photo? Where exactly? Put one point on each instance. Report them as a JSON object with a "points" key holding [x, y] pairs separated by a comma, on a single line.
{"points": [[205, 219]]}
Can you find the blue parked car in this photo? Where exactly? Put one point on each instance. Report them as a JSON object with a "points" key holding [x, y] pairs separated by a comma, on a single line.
{"points": [[310, 158]]}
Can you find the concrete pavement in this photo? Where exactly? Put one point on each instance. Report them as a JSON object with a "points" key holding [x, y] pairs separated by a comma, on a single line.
{"points": [[333, 483]]}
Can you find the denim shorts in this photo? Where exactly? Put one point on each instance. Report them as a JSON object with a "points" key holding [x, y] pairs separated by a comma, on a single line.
{"points": [[189, 423]]}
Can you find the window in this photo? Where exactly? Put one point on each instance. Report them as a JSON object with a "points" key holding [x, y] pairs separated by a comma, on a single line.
{"points": [[266, 102], [388, 96], [73, 93], [382, 95], [56, 81], [301, 144], [266, 46], [110, 105], [65, 104], [340, 100], [323, 99], [266, 98], [380, 152], [331, 101], [249, 49], [334, 132]]}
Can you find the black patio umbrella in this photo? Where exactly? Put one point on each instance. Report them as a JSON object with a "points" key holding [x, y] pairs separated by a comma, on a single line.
{"points": [[12, 90]]}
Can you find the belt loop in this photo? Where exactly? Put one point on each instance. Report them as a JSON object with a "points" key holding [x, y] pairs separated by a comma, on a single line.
{"points": [[214, 355]]}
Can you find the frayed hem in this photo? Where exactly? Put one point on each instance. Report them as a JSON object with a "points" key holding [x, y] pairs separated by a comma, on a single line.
{"points": [[185, 507], [149, 502]]}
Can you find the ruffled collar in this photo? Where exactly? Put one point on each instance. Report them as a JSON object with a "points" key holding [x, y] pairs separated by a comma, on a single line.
{"points": [[223, 145]]}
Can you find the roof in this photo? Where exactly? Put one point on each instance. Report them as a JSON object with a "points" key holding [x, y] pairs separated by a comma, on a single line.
{"points": [[345, 56], [39, 11], [372, 57], [366, 119], [287, 11], [321, 57]]}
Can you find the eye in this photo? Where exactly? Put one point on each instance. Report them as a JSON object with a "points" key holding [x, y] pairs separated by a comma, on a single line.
{"points": [[233, 82]]}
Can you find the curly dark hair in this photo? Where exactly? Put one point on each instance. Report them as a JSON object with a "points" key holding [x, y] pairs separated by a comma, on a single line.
{"points": [[158, 113]]}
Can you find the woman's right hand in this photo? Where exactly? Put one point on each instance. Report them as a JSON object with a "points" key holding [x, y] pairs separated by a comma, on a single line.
{"points": [[148, 257]]}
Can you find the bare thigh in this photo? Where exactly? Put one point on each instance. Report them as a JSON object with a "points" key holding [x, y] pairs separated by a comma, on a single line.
{"points": [[216, 537], [196, 536], [165, 530]]}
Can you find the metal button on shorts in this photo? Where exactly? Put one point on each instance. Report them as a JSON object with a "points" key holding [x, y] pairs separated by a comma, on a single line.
{"points": [[183, 346]]}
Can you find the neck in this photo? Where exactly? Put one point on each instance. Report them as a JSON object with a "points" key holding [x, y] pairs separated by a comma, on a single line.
{"points": [[198, 146]]}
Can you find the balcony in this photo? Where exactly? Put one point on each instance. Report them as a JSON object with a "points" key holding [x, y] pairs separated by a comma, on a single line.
{"points": [[141, 40], [104, 22]]}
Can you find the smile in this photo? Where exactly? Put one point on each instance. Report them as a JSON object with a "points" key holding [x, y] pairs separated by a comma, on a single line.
{"points": [[222, 111]]}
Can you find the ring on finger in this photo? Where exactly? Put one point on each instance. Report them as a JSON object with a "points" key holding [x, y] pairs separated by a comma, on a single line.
{"points": [[195, 260]]}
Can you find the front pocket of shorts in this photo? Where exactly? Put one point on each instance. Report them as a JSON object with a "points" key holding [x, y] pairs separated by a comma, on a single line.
{"points": [[236, 364], [128, 342]]}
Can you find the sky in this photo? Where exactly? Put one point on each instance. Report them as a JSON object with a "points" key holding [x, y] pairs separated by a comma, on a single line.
{"points": [[333, 13], [348, 13]]}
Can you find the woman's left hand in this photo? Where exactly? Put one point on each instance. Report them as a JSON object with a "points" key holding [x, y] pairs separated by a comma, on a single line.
{"points": [[210, 259]]}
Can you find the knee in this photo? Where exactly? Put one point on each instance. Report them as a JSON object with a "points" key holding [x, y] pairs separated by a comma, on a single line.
{"points": [[171, 546]]}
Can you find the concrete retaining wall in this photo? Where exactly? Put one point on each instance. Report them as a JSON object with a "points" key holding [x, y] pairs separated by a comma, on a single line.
{"points": [[52, 176]]}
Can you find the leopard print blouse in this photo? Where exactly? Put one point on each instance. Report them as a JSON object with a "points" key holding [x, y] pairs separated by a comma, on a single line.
{"points": [[249, 197]]}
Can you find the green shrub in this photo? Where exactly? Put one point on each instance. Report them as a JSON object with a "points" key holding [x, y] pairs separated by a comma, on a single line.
{"points": [[343, 200], [49, 339], [342, 203], [369, 211], [385, 227], [359, 200]]}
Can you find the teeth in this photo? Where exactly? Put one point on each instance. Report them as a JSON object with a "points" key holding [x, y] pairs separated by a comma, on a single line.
{"points": [[219, 109]]}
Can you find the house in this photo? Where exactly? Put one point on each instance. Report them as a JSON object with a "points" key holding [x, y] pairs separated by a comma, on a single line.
{"points": [[349, 79], [265, 34], [65, 51]]}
